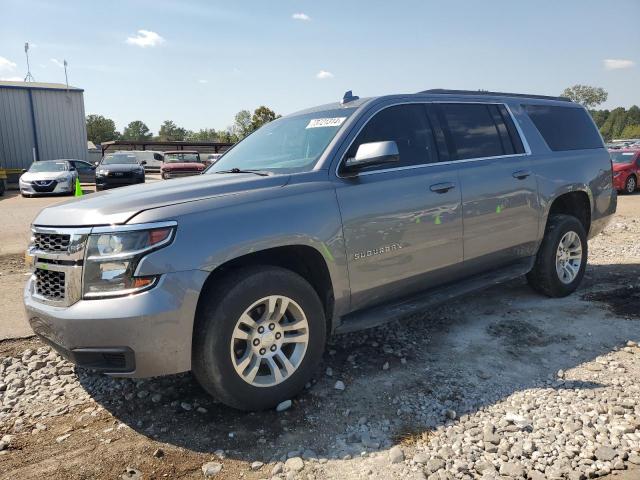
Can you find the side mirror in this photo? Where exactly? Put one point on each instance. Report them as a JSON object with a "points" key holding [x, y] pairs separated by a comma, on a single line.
{"points": [[143, 162], [374, 153], [24, 170], [96, 163]]}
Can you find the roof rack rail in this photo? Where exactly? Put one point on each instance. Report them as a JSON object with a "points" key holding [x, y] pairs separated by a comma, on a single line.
{"points": [[444, 91]]}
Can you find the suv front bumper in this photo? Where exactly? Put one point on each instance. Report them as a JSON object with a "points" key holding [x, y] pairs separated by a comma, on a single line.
{"points": [[141, 335]]}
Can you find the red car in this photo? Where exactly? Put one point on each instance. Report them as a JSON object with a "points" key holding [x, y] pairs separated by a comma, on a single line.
{"points": [[626, 169], [181, 163]]}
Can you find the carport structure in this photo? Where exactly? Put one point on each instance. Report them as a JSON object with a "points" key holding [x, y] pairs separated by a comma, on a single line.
{"points": [[201, 147]]}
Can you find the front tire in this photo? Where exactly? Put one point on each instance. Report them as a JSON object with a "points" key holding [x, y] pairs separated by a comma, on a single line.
{"points": [[630, 185], [259, 337], [561, 259]]}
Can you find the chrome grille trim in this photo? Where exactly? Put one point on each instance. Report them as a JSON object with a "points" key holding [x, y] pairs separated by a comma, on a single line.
{"points": [[58, 271], [50, 284], [51, 242]]}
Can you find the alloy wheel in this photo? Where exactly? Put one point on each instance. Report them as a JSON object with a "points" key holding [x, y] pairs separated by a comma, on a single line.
{"points": [[569, 257], [631, 184], [269, 341]]}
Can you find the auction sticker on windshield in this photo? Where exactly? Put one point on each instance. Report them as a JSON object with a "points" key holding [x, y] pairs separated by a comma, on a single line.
{"points": [[326, 122]]}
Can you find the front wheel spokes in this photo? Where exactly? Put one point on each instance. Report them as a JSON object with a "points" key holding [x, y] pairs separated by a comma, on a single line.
{"points": [[302, 337]]}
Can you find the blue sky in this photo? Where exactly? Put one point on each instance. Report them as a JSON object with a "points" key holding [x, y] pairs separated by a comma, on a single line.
{"points": [[199, 62]]}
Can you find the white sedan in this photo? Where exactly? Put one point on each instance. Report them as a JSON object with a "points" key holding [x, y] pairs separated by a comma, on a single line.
{"points": [[48, 177]]}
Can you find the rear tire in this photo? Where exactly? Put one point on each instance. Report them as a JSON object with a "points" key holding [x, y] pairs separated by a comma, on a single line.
{"points": [[559, 268], [239, 348]]}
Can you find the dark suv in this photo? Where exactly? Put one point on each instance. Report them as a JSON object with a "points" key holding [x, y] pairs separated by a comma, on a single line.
{"points": [[119, 169], [332, 219]]}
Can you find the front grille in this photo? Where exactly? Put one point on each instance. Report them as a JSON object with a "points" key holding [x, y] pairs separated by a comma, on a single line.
{"points": [[44, 186], [51, 242], [184, 173], [50, 284]]}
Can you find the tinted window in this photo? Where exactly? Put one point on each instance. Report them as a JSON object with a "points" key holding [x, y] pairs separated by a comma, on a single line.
{"points": [[511, 128], [564, 128], [82, 166], [473, 132], [48, 166], [622, 157], [119, 158], [408, 126]]}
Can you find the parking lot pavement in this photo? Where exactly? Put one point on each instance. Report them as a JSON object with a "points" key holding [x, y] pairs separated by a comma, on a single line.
{"points": [[16, 215], [503, 384]]}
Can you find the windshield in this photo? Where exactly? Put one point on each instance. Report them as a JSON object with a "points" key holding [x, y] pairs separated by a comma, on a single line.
{"points": [[286, 145], [119, 159], [181, 158], [622, 157], [48, 167]]}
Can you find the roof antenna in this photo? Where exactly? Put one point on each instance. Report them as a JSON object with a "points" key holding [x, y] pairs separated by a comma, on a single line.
{"points": [[28, 77], [348, 97]]}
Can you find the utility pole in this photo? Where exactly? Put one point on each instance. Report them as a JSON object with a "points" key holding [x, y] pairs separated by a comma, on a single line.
{"points": [[66, 79]]}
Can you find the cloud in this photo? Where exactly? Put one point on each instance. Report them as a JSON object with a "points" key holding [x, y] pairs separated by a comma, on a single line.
{"points": [[11, 79], [7, 65], [617, 63], [145, 38], [202, 80], [57, 62], [301, 16], [323, 75]]}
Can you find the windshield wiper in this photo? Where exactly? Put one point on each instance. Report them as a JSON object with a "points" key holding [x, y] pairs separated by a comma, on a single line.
{"points": [[238, 170]]}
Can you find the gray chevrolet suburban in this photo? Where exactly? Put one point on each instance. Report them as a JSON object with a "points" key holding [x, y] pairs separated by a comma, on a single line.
{"points": [[329, 220]]}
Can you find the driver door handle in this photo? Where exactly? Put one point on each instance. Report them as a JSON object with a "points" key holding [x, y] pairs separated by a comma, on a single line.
{"points": [[521, 174], [442, 187]]}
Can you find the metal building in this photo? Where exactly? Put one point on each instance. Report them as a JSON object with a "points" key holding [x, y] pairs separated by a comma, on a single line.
{"points": [[40, 121]]}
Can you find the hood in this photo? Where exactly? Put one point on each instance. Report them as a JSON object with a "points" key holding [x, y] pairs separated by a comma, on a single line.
{"points": [[183, 166], [120, 167], [119, 205], [621, 166], [34, 176]]}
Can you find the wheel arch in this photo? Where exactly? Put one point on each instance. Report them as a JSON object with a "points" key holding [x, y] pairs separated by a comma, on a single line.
{"points": [[305, 260], [577, 203]]}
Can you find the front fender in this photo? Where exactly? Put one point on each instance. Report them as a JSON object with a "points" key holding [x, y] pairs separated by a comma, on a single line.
{"points": [[216, 231]]}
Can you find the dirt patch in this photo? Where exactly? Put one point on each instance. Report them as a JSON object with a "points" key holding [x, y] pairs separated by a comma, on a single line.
{"points": [[13, 348], [10, 264], [521, 333], [624, 302]]}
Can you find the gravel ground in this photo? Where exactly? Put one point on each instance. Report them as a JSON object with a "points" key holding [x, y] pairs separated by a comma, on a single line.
{"points": [[503, 384]]}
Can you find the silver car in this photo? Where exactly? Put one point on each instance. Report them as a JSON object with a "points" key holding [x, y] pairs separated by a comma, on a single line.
{"points": [[48, 177]]}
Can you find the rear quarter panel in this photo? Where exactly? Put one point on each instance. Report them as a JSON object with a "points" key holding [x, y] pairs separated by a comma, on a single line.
{"points": [[557, 173]]}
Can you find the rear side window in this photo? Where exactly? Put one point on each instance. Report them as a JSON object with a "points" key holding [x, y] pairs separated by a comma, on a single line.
{"points": [[479, 130], [564, 128], [408, 126]]}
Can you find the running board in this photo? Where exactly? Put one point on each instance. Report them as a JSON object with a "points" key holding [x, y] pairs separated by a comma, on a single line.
{"points": [[375, 316]]}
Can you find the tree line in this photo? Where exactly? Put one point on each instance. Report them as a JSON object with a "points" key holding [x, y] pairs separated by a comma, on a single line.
{"points": [[617, 123], [102, 129]]}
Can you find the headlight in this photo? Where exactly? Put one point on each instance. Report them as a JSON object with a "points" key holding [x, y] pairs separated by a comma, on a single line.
{"points": [[113, 256], [102, 172], [616, 174]]}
